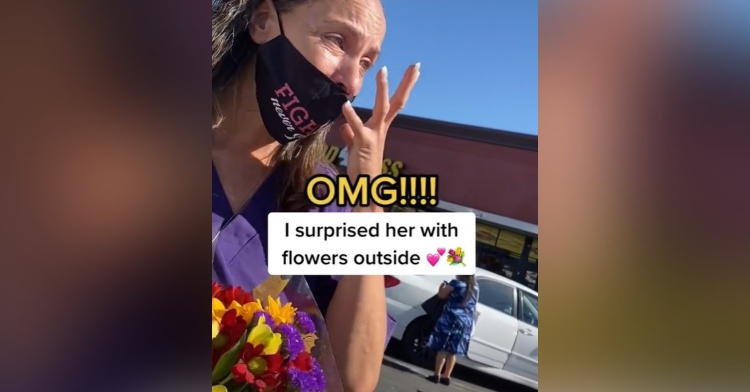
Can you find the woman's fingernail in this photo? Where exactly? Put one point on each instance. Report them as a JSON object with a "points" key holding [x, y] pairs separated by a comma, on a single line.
{"points": [[384, 71], [348, 104], [417, 66]]}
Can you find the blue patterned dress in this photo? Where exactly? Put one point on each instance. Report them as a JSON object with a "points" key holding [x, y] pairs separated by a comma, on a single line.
{"points": [[453, 328]]}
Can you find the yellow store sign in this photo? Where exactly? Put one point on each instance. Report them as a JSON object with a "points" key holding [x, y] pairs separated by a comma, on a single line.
{"points": [[534, 252], [510, 241], [487, 234]]}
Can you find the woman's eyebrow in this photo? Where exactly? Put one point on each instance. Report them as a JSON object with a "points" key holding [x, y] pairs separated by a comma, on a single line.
{"points": [[351, 28], [354, 30]]}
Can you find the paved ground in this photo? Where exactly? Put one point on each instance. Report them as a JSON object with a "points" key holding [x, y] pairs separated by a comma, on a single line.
{"points": [[399, 376]]}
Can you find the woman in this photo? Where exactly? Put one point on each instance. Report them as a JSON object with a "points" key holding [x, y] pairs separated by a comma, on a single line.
{"points": [[453, 328], [283, 71]]}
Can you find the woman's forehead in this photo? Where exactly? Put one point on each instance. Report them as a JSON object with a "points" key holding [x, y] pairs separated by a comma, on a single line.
{"points": [[363, 17]]}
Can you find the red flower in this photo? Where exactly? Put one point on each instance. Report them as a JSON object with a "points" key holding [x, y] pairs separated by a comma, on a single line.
{"points": [[230, 331], [257, 369], [274, 362], [232, 325], [304, 362], [215, 289], [244, 376], [231, 294]]}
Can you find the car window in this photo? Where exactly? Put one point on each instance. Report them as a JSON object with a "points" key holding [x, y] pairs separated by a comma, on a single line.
{"points": [[497, 296], [529, 313]]}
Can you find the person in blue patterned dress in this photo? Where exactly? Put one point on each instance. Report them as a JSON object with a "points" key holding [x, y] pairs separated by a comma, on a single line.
{"points": [[454, 326]]}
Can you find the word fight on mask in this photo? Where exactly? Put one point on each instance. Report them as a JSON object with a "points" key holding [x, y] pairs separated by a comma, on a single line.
{"points": [[295, 98]]}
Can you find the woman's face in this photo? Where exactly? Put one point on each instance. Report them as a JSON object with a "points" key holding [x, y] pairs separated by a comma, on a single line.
{"points": [[342, 38]]}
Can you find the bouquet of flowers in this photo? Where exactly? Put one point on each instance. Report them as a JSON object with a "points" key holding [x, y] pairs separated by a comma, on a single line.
{"points": [[455, 257], [262, 343]]}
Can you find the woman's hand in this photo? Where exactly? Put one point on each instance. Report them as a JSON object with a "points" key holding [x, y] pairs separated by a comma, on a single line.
{"points": [[366, 141], [357, 313], [445, 291]]}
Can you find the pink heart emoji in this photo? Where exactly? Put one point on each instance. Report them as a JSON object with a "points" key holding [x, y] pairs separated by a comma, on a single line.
{"points": [[441, 251], [433, 259]]}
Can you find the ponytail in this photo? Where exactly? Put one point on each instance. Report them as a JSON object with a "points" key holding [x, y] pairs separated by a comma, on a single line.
{"points": [[470, 281]]}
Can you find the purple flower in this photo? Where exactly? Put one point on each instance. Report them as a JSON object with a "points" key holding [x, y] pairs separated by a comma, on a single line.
{"points": [[305, 323], [320, 378], [291, 340], [268, 318], [301, 381]]}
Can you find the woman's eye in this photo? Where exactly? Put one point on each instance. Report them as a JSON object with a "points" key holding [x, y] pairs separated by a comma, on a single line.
{"points": [[336, 40], [366, 64]]}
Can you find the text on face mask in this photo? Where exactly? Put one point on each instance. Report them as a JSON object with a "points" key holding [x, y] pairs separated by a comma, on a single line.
{"points": [[297, 115]]}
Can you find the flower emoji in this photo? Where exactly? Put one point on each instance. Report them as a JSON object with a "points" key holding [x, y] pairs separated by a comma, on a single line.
{"points": [[455, 257]]}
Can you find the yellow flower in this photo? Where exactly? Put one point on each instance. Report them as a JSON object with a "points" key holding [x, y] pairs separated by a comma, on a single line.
{"points": [[247, 310], [450, 259], [263, 334], [281, 314], [459, 251], [214, 329], [218, 388], [217, 311]]}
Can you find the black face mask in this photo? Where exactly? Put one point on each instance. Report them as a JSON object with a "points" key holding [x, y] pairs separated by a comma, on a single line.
{"points": [[295, 98]]}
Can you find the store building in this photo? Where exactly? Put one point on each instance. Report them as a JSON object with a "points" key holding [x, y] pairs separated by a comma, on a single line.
{"points": [[490, 172]]}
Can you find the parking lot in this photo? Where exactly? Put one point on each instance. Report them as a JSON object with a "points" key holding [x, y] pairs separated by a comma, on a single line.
{"points": [[399, 376]]}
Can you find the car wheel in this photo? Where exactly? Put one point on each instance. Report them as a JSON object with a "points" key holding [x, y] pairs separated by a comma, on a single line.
{"points": [[414, 344]]}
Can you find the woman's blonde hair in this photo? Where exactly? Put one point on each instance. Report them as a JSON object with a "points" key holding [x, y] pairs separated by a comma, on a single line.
{"points": [[231, 50]]}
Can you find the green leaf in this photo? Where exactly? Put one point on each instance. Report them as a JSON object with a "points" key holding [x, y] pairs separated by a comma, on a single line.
{"points": [[229, 359]]}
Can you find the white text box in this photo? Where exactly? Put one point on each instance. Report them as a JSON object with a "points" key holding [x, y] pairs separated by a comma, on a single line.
{"points": [[357, 243]]}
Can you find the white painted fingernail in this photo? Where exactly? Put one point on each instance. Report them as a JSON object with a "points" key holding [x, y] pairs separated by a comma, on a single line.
{"points": [[348, 104], [384, 71], [417, 65]]}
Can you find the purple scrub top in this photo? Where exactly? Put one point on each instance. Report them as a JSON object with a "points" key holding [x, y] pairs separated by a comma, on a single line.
{"points": [[240, 258]]}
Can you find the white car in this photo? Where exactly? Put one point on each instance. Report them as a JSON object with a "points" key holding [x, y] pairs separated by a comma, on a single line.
{"points": [[505, 342]]}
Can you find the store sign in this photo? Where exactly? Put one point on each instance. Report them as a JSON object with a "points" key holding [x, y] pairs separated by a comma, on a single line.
{"points": [[337, 156], [512, 242], [534, 252], [487, 234], [509, 241]]}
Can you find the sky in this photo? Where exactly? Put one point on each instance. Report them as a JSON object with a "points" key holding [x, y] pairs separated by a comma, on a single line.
{"points": [[478, 61]]}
